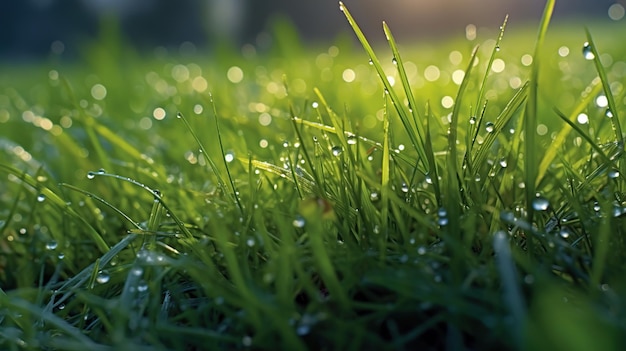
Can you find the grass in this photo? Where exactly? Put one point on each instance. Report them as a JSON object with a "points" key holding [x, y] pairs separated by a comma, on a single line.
{"points": [[466, 196]]}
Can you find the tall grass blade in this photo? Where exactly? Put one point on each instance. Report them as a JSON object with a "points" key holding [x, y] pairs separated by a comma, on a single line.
{"points": [[414, 130], [612, 111], [530, 121], [415, 121]]}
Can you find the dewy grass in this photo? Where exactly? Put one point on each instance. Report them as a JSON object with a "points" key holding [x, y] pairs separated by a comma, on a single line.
{"points": [[361, 202]]}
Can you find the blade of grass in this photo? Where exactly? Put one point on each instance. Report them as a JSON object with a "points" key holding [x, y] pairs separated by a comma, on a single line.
{"points": [[221, 144], [60, 203], [606, 86], [430, 158], [530, 122], [560, 139], [492, 57], [414, 130]]}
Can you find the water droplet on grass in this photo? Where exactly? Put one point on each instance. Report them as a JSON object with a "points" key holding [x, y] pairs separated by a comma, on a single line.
{"points": [[472, 120], [352, 140], [303, 329], [298, 222], [588, 51], [564, 233], [143, 286], [103, 277], [489, 127], [41, 198], [336, 150], [91, 175], [374, 196], [540, 203], [405, 188], [608, 113], [52, 245], [613, 173], [136, 271], [229, 156], [503, 163], [250, 242]]}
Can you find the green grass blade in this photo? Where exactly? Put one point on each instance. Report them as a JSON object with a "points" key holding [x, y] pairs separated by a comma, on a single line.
{"points": [[530, 120], [492, 57], [551, 152], [58, 202], [233, 189], [412, 129], [606, 86]]}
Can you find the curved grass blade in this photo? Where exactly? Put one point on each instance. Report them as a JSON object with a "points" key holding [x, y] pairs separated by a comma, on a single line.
{"points": [[102, 201], [607, 89], [507, 113], [416, 135], [496, 48], [155, 193], [551, 153], [60, 203]]}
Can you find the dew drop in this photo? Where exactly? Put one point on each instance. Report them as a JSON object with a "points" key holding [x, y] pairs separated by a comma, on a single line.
{"points": [[250, 242], [336, 150], [229, 156], [405, 188], [103, 277], [503, 163], [588, 51], [352, 140], [61, 256], [394, 61], [41, 198], [246, 340], [429, 179], [596, 207], [52, 245], [136, 271], [143, 286], [608, 113], [298, 222], [489, 127], [315, 104], [614, 173], [371, 62], [421, 250], [374, 196], [91, 175], [564, 233], [303, 329], [472, 120], [540, 203]]}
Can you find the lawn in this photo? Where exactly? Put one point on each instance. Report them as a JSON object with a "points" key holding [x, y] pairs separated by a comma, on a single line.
{"points": [[468, 194]]}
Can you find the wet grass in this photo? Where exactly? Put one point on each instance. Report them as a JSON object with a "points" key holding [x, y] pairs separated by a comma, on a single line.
{"points": [[464, 196]]}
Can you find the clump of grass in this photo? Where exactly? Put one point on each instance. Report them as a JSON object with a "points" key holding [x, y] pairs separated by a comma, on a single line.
{"points": [[284, 210]]}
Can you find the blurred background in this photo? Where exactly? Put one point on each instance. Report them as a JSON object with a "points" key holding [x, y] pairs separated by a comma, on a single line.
{"points": [[33, 29]]}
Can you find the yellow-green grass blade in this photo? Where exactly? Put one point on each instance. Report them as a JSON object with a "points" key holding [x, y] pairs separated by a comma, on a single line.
{"points": [[551, 153]]}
